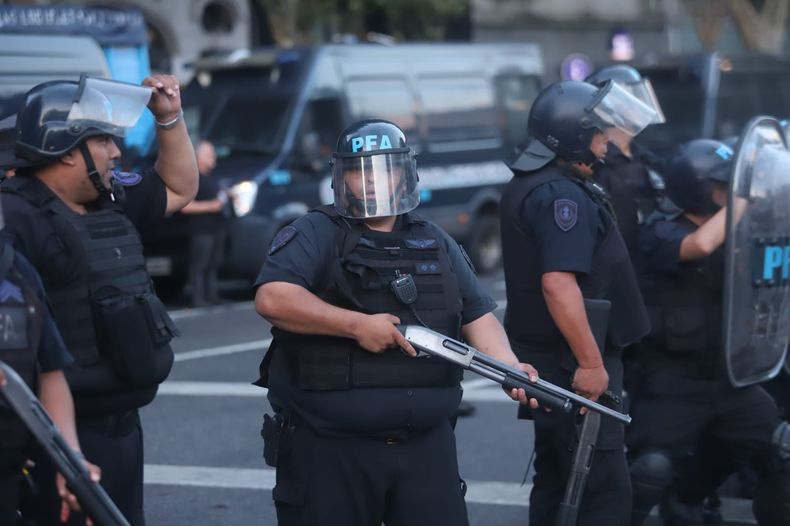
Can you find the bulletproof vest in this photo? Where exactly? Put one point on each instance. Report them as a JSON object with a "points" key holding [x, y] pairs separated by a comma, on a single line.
{"points": [[109, 315], [360, 279], [612, 277], [633, 198], [21, 321], [685, 310]]}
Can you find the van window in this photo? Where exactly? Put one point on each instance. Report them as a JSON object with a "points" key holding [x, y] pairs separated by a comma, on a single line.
{"points": [[460, 114], [317, 134], [682, 97], [248, 123], [514, 99], [742, 95], [384, 99]]}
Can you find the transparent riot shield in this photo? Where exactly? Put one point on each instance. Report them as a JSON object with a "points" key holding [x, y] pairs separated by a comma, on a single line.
{"points": [[756, 288]]}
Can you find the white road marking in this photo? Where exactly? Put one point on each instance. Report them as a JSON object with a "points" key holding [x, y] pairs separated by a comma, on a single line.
{"points": [[479, 492], [475, 390], [258, 345], [211, 389], [180, 314]]}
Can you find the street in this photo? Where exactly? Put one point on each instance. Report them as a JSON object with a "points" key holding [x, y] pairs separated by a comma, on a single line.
{"points": [[203, 445]]}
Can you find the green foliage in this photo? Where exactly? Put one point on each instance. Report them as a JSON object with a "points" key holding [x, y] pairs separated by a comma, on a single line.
{"points": [[316, 20]]}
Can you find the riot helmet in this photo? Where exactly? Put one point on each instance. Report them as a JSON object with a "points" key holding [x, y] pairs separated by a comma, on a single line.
{"points": [[58, 116], [693, 170], [566, 115], [630, 79], [374, 172]]}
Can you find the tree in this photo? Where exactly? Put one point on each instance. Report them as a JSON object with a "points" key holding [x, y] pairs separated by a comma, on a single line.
{"points": [[303, 21], [761, 24]]}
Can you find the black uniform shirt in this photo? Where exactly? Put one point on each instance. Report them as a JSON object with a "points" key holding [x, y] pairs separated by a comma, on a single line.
{"points": [[304, 260], [207, 222], [566, 248], [30, 230], [52, 353], [659, 245]]}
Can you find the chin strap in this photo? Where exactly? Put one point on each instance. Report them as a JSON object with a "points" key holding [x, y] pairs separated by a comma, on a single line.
{"points": [[93, 174]]}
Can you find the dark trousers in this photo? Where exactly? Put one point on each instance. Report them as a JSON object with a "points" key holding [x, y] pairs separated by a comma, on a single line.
{"points": [[692, 419], [205, 257], [115, 444], [607, 496], [10, 478], [355, 481]]}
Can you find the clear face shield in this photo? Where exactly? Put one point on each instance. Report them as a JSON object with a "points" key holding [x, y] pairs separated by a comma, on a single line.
{"points": [[108, 104], [643, 90], [616, 107], [378, 185]]}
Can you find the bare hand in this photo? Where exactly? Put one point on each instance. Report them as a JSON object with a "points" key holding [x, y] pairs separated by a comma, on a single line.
{"points": [[377, 332], [590, 382], [2, 378], [68, 501], [165, 102], [519, 395]]}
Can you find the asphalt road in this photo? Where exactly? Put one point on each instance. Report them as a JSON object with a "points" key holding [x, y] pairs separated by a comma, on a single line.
{"points": [[203, 447]]}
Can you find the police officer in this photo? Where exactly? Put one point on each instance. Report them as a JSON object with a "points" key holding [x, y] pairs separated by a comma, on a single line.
{"points": [[31, 344], [687, 408], [561, 245], [77, 222], [364, 428], [628, 171]]}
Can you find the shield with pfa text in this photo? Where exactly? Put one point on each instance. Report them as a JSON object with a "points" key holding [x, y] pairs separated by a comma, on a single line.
{"points": [[757, 288]]}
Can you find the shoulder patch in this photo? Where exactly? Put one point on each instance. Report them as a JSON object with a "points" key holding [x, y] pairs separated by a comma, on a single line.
{"points": [[566, 213], [282, 238], [127, 178]]}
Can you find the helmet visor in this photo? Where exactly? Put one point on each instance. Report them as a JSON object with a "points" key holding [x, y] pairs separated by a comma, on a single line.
{"points": [[618, 108], [108, 104], [376, 185], [643, 90]]}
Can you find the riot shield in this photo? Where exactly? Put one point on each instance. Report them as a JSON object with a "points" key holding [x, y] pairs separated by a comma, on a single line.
{"points": [[756, 287]]}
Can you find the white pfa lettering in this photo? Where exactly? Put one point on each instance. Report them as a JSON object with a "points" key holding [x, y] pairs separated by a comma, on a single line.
{"points": [[7, 328]]}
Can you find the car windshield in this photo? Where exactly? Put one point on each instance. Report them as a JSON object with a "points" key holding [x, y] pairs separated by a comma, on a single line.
{"points": [[248, 124]]}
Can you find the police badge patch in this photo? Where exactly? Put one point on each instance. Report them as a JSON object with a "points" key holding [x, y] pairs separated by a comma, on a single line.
{"points": [[566, 212], [282, 238]]}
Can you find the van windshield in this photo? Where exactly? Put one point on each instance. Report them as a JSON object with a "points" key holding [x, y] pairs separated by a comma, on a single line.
{"points": [[681, 95], [248, 124], [745, 94]]}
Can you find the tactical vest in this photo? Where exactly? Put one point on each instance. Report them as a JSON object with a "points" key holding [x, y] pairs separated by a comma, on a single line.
{"points": [[367, 262], [612, 277], [685, 311], [21, 323], [109, 314]]}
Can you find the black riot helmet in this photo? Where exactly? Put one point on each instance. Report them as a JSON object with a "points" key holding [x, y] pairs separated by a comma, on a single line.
{"points": [[693, 171], [566, 115], [58, 116], [631, 80], [374, 172]]}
